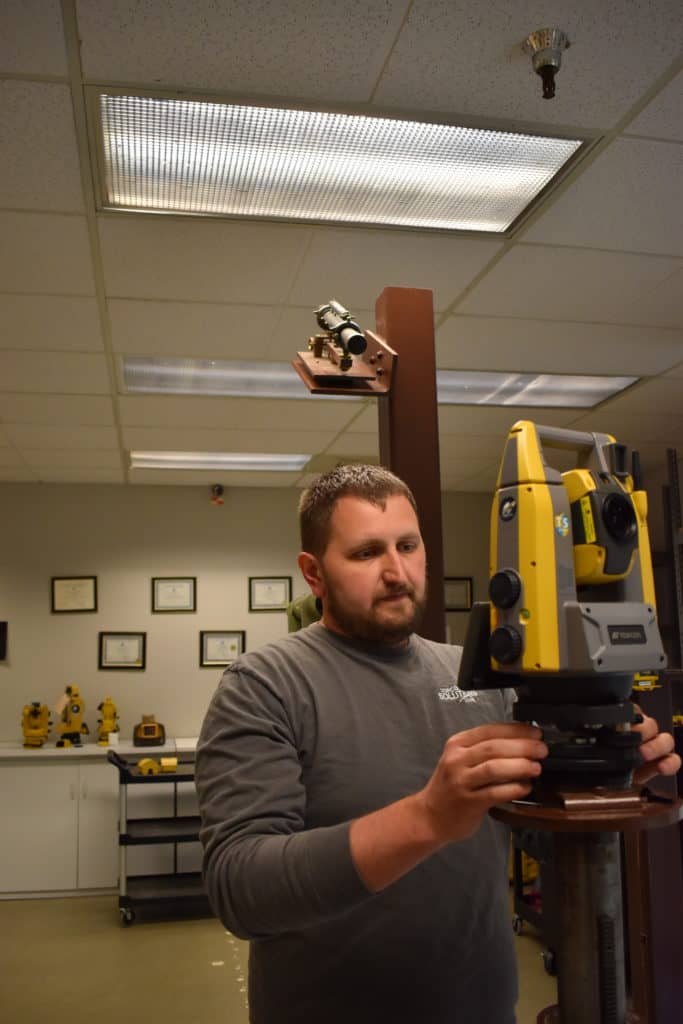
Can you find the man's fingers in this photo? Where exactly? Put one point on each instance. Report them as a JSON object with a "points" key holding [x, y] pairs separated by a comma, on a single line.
{"points": [[504, 794], [661, 745], [504, 770], [498, 749], [648, 728], [502, 730]]}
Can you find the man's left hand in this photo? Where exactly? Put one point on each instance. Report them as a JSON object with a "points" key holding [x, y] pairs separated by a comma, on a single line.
{"points": [[656, 750]]}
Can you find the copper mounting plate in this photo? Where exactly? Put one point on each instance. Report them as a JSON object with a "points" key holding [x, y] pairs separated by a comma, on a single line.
{"points": [[602, 811], [370, 373]]}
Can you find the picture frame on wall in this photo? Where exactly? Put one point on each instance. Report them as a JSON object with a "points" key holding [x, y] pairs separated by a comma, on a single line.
{"points": [[269, 593], [73, 594], [219, 648], [458, 593], [122, 651], [174, 594]]}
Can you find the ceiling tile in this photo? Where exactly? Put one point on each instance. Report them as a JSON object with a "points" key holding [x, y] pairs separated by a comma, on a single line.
{"points": [[366, 422], [569, 284], [198, 329], [200, 478], [45, 252], [351, 443], [28, 437], [299, 49], [237, 413], [468, 59], [39, 167], [55, 372], [50, 474], [71, 458], [496, 420], [49, 322], [362, 263], [182, 439], [57, 410], [632, 174], [634, 428], [32, 38], [675, 371], [528, 346], [454, 447], [10, 457], [18, 475], [662, 305], [158, 257], [662, 117], [662, 394]]}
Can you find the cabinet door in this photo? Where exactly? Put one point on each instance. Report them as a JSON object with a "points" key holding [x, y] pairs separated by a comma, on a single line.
{"points": [[39, 812], [98, 816]]}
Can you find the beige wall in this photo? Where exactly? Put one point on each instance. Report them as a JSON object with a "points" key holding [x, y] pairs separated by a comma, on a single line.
{"points": [[126, 535]]}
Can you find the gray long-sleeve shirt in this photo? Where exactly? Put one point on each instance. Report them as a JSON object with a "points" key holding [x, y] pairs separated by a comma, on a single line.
{"points": [[303, 736]]}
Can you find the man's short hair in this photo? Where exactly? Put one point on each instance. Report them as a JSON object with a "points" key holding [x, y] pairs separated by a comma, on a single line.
{"points": [[371, 483]]}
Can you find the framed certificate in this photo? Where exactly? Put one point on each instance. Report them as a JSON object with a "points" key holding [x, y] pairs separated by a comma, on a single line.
{"points": [[122, 650], [269, 593], [174, 594], [218, 648], [458, 593], [74, 594]]}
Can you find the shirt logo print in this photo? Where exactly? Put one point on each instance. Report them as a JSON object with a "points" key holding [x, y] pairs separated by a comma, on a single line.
{"points": [[456, 694]]}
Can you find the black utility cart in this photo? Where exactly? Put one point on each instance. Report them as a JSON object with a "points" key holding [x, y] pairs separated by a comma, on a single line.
{"points": [[174, 894], [538, 846]]}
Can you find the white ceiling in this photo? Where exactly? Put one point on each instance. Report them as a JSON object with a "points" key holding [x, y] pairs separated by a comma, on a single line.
{"points": [[591, 283]]}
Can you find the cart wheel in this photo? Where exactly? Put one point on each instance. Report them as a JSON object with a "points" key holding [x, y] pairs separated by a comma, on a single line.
{"points": [[517, 924], [127, 916], [550, 962]]}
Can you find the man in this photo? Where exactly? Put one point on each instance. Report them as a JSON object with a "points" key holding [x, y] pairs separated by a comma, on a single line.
{"points": [[344, 783]]}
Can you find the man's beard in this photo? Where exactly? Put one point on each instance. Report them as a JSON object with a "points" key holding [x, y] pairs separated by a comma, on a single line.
{"points": [[361, 626]]}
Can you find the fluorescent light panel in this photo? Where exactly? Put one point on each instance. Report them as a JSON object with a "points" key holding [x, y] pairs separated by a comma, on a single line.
{"points": [[233, 461], [212, 377], [566, 391], [280, 380], [191, 156]]}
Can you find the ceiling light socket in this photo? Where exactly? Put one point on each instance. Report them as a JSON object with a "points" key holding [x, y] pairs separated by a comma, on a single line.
{"points": [[545, 46]]}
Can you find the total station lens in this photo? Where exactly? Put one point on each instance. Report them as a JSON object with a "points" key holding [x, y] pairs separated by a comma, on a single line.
{"points": [[619, 517]]}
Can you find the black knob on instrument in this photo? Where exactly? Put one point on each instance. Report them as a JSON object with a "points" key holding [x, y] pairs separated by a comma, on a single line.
{"points": [[505, 588], [505, 644]]}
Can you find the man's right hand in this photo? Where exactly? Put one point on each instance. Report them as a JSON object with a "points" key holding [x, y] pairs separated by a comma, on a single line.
{"points": [[479, 768]]}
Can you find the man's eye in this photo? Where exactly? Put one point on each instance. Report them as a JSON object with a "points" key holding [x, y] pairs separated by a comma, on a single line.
{"points": [[408, 545], [364, 554]]}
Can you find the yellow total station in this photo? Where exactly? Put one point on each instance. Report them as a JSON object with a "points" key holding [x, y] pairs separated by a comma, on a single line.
{"points": [[108, 723], [71, 725], [35, 724], [571, 584]]}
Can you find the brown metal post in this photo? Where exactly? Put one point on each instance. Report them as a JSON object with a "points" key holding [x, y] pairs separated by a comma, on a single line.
{"points": [[409, 428], [655, 896]]}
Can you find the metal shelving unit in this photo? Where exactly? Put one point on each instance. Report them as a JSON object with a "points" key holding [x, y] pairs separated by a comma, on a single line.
{"points": [[177, 893]]}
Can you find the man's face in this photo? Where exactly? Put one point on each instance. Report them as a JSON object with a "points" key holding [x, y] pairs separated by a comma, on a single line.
{"points": [[373, 571]]}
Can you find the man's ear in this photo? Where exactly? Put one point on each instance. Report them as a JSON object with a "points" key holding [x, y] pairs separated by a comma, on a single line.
{"points": [[310, 570]]}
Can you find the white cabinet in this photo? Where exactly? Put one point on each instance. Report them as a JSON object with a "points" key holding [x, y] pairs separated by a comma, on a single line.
{"points": [[39, 809], [60, 825], [98, 819]]}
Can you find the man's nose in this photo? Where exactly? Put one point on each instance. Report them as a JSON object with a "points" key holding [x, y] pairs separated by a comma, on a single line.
{"points": [[392, 566]]}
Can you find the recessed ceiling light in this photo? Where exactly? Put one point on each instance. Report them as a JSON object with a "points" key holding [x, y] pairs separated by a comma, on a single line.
{"points": [[233, 461], [566, 391], [279, 380], [223, 159]]}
